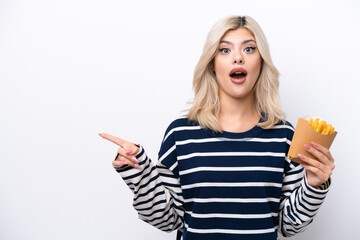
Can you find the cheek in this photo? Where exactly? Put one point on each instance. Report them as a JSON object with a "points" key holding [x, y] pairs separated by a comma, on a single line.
{"points": [[216, 67], [257, 67], [219, 66]]}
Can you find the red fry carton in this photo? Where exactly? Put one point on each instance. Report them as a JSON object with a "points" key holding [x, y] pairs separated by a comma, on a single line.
{"points": [[305, 134]]}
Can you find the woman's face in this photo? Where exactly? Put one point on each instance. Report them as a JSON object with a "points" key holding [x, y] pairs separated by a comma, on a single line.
{"points": [[237, 64]]}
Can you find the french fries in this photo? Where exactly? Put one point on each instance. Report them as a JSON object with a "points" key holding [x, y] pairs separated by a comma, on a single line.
{"points": [[321, 126]]}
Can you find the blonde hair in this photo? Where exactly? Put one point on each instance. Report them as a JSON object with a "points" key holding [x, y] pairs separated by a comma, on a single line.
{"points": [[206, 105]]}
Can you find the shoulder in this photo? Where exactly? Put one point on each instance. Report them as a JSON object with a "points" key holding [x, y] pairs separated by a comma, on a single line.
{"points": [[287, 129], [282, 129], [281, 125], [284, 125], [180, 124]]}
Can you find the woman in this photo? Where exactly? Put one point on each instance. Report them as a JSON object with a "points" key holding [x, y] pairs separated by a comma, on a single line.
{"points": [[222, 171]]}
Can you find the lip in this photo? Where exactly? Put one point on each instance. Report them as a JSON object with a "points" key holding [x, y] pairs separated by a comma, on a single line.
{"points": [[238, 69], [238, 80]]}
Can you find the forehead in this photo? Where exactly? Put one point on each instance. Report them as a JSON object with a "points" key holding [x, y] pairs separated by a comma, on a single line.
{"points": [[238, 35]]}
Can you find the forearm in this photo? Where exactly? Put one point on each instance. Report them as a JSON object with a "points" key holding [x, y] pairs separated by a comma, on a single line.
{"points": [[300, 208], [152, 200]]}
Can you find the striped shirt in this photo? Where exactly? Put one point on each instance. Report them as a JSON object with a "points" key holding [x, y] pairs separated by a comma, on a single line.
{"points": [[224, 185]]}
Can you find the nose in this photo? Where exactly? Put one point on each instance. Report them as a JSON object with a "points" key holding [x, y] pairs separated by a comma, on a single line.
{"points": [[238, 59]]}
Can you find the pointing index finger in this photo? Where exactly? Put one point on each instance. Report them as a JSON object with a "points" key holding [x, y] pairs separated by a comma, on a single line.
{"points": [[111, 138]]}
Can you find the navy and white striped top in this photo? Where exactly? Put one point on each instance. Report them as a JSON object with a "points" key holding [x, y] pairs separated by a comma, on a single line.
{"points": [[224, 185]]}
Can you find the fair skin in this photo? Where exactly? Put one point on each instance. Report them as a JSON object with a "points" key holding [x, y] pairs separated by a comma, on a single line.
{"points": [[238, 50]]}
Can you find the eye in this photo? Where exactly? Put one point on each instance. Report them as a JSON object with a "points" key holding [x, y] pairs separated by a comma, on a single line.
{"points": [[249, 49], [224, 50]]}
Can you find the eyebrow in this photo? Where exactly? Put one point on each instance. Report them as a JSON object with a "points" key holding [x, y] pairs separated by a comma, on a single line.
{"points": [[243, 42]]}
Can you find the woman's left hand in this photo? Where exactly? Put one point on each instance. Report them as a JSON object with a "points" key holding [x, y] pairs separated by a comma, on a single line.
{"points": [[318, 170]]}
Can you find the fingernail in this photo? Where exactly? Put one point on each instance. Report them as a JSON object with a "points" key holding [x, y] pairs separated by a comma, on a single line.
{"points": [[304, 166], [128, 151], [134, 159], [301, 156], [122, 163], [315, 144], [100, 134], [307, 147], [137, 166]]}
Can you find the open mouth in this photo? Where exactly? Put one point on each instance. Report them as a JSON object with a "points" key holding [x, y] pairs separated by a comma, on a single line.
{"points": [[238, 75]]}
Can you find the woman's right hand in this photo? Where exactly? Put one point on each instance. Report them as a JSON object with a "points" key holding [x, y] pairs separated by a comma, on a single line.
{"points": [[126, 152]]}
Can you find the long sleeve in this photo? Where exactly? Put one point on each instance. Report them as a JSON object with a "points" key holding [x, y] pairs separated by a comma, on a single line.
{"points": [[157, 192], [223, 185], [299, 201]]}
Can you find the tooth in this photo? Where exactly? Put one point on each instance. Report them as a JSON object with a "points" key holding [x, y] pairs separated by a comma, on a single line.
{"points": [[238, 72]]}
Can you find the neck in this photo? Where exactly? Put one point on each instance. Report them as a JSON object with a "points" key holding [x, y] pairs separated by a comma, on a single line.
{"points": [[238, 115]]}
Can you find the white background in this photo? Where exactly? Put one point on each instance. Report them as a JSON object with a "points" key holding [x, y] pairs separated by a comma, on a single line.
{"points": [[71, 69]]}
